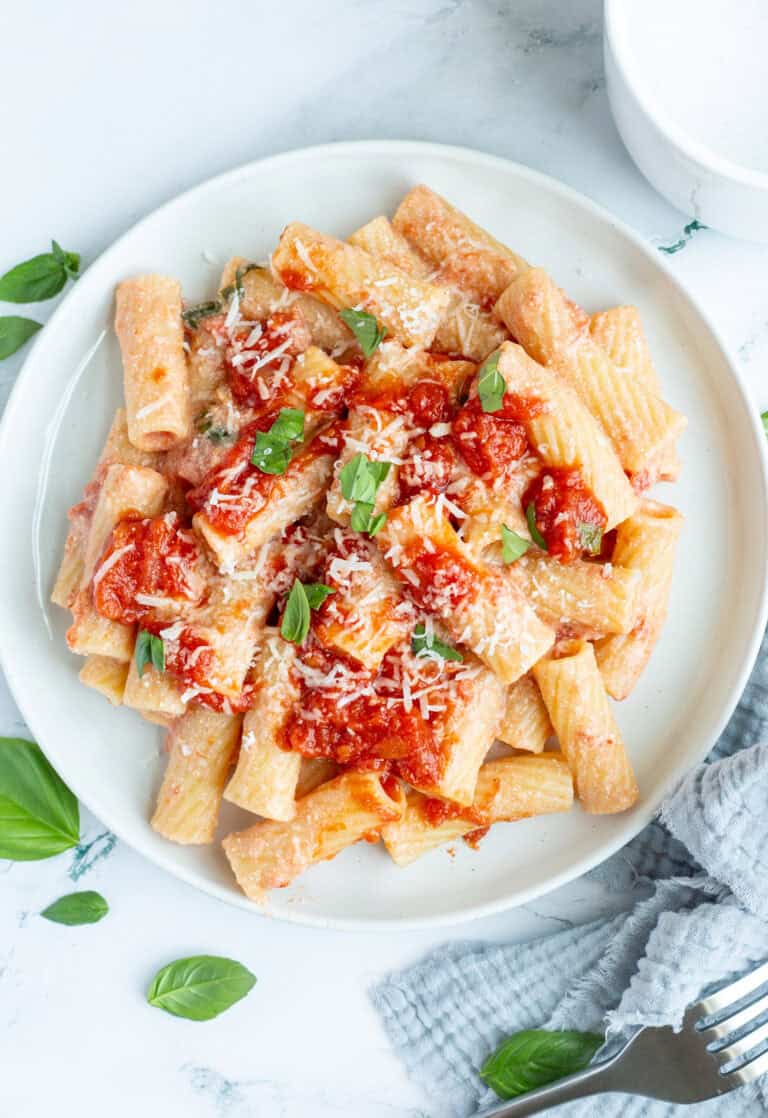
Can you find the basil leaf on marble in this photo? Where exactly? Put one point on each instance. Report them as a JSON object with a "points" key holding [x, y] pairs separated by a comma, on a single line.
{"points": [[200, 987], [77, 908], [14, 332], [39, 816], [40, 277]]}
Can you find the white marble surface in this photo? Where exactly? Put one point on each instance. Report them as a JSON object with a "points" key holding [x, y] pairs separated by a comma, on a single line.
{"points": [[108, 110]]}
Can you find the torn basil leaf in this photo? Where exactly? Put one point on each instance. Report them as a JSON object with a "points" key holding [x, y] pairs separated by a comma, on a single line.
{"points": [[422, 642], [369, 333], [536, 536], [149, 650], [512, 545], [491, 385]]}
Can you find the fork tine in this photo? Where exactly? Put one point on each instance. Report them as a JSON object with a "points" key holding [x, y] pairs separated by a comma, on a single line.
{"points": [[743, 1045], [735, 1021], [733, 992], [751, 1070]]}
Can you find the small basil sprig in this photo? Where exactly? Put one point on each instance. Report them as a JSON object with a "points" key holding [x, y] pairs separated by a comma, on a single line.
{"points": [[149, 650], [302, 598], [369, 333], [531, 1058], [512, 545], [77, 908], [39, 816], [536, 536], [363, 520], [273, 449], [200, 987], [14, 332], [590, 537], [193, 316], [491, 385], [39, 278], [360, 480], [422, 642], [227, 292]]}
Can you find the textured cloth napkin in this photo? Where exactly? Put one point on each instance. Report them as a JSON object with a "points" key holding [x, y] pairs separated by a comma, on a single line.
{"points": [[706, 859]]}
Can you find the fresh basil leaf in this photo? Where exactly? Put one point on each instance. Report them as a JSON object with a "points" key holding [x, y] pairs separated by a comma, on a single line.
{"points": [[200, 987], [289, 425], [764, 418], [193, 316], [360, 478], [536, 536], [534, 1057], [366, 329], [149, 650], [512, 545], [491, 385], [14, 332], [271, 456], [228, 291], [316, 593], [69, 260], [295, 624], [39, 816], [272, 450], [362, 514], [363, 520], [36, 279], [590, 537], [376, 524], [421, 642], [77, 908]]}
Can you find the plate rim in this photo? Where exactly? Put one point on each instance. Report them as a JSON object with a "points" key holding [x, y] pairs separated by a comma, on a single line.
{"points": [[645, 811]]}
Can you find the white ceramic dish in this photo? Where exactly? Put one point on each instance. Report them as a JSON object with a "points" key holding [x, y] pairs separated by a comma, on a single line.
{"points": [[60, 411], [686, 82]]}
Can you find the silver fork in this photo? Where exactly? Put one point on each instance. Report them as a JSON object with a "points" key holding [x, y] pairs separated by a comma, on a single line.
{"points": [[685, 1067]]}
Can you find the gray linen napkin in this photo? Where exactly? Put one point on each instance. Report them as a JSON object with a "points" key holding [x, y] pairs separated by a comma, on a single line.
{"points": [[706, 918]]}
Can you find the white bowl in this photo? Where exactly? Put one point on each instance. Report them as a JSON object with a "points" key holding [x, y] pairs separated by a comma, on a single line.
{"points": [[63, 402], [686, 83]]}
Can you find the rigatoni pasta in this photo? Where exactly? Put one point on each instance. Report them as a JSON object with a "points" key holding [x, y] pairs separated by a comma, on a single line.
{"points": [[368, 560], [149, 328]]}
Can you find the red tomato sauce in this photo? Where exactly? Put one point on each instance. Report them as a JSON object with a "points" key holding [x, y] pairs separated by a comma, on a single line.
{"points": [[446, 581], [188, 656], [370, 732], [254, 379], [562, 502], [428, 400], [295, 280], [334, 397], [491, 443], [231, 480], [429, 469], [160, 562]]}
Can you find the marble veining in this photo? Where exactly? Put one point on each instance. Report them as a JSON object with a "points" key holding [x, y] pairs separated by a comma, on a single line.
{"points": [[129, 119]]}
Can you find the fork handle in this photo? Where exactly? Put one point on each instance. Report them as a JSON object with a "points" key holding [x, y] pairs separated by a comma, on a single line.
{"points": [[592, 1080]]}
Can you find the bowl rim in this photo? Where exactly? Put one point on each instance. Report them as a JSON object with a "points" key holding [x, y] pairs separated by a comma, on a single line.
{"points": [[706, 157], [643, 813]]}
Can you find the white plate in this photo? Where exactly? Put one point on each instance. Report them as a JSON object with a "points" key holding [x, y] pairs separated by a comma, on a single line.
{"points": [[60, 410]]}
